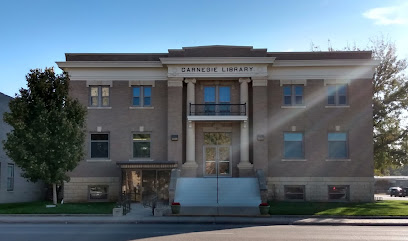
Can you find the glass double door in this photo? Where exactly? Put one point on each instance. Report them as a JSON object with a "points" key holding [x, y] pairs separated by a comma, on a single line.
{"points": [[217, 154]]}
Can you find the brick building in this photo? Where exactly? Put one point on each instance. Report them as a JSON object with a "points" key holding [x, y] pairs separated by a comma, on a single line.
{"points": [[298, 122]]}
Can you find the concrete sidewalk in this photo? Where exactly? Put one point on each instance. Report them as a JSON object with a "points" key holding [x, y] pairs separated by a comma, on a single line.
{"points": [[139, 214]]}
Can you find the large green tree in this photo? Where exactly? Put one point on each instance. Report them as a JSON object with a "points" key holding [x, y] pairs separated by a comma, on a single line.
{"points": [[47, 139], [390, 103]]}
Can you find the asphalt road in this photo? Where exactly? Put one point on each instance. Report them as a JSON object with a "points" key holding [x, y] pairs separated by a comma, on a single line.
{"points": [[194, 232]]}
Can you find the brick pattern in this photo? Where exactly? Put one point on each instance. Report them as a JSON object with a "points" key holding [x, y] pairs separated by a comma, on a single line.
{"points": [[315, 121], [120, 122], [77, 189]]}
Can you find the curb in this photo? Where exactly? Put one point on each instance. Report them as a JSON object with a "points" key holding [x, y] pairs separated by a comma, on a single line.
{"points": [[214, 220]]}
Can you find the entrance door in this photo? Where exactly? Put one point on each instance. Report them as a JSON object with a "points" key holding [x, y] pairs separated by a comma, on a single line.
{"points": [[217, 154]]}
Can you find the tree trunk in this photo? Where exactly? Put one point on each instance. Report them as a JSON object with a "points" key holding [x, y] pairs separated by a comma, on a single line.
{"points": [[54, 193]]}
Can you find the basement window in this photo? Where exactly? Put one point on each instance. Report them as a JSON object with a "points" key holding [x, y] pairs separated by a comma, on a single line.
{"points": [[99, 192], [339, 193], [295, 192]]}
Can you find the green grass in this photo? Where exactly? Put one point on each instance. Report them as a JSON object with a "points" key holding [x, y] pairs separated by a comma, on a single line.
{"points": [[66, 208], [382, 208]]}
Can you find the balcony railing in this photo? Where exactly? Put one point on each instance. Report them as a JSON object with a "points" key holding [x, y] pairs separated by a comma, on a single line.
{"points": [[218, 109]]}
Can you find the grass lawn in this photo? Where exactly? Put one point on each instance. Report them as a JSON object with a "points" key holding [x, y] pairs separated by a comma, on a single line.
{"points": [[66, 208], [381, 208]]}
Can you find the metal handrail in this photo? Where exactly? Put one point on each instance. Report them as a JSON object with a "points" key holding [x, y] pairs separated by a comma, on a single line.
{"points": [[124, 202], [218, 109]]}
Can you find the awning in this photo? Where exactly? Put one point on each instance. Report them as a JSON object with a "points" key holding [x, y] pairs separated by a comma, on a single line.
{"points": [[147, 164]]}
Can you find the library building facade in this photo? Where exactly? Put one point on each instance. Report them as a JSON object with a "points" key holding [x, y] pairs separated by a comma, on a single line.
{"points": [[167, 125]]}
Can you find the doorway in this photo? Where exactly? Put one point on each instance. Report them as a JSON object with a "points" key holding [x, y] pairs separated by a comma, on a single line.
{"points": [[144, 185], [217, 154]]}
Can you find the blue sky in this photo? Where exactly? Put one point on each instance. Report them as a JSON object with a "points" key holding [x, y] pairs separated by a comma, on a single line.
{"points": [[35, 34]]}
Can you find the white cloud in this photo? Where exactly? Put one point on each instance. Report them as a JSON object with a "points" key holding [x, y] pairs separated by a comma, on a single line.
{"points": [[388, 15]]}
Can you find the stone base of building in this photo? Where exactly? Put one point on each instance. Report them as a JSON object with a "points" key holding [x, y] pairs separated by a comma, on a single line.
{"points": [[77, 189], [361, 189], [189, 169]]}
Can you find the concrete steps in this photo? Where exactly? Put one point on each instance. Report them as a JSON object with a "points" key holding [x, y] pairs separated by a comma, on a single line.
{"points": [[236, 196]]}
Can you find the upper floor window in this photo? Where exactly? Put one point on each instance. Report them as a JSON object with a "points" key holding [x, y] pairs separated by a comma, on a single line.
{"points": [[141, 145], [293, 95], [217, 99], [10, 177], [100, 146], [337, 94], [99, 96], [142, 96], [293, 145], [337, 145]]}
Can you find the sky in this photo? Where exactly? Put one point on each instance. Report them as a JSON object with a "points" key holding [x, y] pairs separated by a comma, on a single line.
{"points": [[35, 34]]}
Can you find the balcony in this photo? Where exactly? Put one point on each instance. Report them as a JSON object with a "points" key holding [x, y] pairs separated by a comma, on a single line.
{"points": [[220, 112]]}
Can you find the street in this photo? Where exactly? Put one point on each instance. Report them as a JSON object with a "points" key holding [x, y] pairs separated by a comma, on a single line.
{"points": [[199, 232]]}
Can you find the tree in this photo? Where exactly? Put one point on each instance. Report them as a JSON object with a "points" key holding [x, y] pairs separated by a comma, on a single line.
{"points": [[47, 139], [390, 103]]}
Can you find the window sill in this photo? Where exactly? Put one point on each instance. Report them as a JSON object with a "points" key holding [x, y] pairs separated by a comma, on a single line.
{"points": [[294, 160], [98, 160], [337, 106], [338, 160], [293, 106], [99, 108], [141, 108]]}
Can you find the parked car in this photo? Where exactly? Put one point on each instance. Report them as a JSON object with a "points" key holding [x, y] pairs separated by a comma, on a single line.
{"points": [[405, 190], [397, 192]]}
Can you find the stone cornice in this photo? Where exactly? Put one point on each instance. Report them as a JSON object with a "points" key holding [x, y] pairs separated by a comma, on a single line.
{"points": [[109, 64], [220, 60], [326, 62]]}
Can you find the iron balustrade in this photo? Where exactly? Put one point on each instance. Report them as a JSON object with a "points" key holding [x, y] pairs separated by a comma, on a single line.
{"points": [[218, 109]]}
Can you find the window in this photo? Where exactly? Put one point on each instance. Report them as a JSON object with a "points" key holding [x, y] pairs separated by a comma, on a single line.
{"points": [[217, 99], [10, 177], [293, 146], [337, 94], [338, 145], [98, 192], [293, 95], [100, 146], [142, 96], [99, 96], [141, 145], [339, 193], [294, 192]]}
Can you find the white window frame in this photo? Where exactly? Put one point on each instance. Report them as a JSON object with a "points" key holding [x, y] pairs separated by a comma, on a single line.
{"points": [[336, 94], [347, 147], [293, 95], [303, 146], [100, 97], [142, 95]]}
